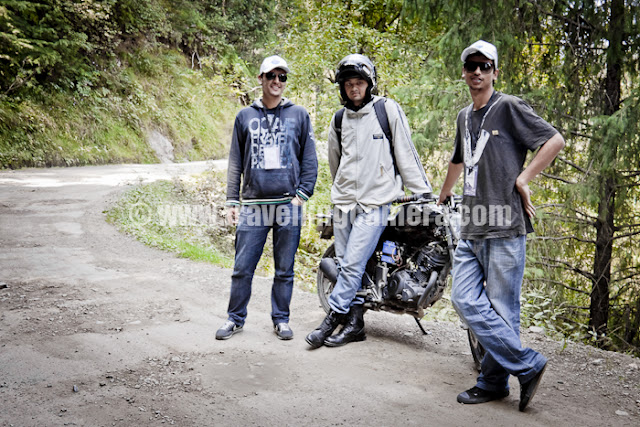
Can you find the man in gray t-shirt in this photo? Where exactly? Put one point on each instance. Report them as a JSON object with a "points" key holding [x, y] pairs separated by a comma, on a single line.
{"points": [[493, 137], [496, 208]]}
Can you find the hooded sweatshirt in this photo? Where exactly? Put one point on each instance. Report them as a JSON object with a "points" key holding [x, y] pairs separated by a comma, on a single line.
{"points": [[273, 155]]}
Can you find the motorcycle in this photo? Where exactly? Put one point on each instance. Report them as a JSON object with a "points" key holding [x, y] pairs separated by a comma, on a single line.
{"points": [[408, 271]]}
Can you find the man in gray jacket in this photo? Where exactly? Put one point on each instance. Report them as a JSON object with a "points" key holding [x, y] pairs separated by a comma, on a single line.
{"points": [[368, 173]]}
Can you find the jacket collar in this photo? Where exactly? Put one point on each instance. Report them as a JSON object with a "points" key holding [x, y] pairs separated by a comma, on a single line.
{"points": [[366, 108]]}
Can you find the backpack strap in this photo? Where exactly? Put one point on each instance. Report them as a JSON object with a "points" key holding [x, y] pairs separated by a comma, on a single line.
{"points": [[383, 119], [381, 112], [338, 125]]}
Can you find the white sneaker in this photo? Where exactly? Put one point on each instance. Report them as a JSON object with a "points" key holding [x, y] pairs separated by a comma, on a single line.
{"points": [[283, 331], [227, 330]]}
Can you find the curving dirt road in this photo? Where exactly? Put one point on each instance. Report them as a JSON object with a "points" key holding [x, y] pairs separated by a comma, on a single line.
{"points": [[98, 330]]}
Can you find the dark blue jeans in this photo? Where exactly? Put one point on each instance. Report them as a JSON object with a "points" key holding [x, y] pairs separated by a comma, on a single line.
{"points": [[251, 234]]}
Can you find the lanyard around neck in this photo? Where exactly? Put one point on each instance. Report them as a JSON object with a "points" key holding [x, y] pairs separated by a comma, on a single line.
{"points": [[472, 157]]}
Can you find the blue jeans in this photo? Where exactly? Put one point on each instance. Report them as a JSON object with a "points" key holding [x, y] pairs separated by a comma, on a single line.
{"points": [[251, 234], [356, 237], [487, 278]]}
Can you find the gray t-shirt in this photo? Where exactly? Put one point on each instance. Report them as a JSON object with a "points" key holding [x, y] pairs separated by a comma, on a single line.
{"points": [[496, 210]]}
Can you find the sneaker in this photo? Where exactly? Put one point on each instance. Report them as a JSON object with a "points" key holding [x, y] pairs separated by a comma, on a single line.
{"points": [[227, 330], [478, 395], [528, 389], [283, 331]]}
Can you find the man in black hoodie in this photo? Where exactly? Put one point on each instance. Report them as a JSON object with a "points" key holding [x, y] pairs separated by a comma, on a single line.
{"points": [[273, 155]]}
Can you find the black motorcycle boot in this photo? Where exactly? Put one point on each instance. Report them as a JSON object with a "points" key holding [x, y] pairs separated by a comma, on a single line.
{"points": [[353, 331], [326, 328]]}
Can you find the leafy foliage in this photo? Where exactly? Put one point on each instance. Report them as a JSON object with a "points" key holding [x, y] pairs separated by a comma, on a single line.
{"points": [[64, 42], [43, 42], [320, 33]]}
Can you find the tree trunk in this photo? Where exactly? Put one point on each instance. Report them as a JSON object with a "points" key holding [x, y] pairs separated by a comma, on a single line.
{"points": [[599, 309], [631, 334], [605, 227]]}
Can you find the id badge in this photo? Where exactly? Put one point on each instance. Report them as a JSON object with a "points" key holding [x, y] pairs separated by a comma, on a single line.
{"points": [[272, 157], [470, 181]]}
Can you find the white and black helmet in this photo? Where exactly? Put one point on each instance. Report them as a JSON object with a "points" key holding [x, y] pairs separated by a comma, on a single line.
{"points": [[356, 65]]}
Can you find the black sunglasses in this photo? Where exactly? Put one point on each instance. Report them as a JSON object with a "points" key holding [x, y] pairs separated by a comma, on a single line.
{"points": [[271, 75], [471, 66]]}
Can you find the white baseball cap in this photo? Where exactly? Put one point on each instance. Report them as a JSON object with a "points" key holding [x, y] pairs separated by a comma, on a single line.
{"points": [[273, 62], [484, 48]]}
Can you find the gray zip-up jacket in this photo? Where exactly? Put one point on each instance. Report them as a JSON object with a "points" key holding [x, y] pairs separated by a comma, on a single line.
{"points": [[362, 166]]}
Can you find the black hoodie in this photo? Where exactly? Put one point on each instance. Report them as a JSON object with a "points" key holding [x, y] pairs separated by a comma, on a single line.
{"points": [[273, 153]]}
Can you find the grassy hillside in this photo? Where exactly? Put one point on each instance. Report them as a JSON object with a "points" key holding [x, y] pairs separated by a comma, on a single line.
{"points": [[145, 91]]}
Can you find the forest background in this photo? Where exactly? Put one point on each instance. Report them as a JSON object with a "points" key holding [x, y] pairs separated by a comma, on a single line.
{"points": [[90, 82]]}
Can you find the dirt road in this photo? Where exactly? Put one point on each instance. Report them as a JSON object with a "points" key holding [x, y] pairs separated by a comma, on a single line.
{"points": [[98, 330]]}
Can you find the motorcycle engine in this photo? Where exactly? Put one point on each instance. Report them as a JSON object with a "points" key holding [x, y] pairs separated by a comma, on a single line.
{"points": [[408, 284]]}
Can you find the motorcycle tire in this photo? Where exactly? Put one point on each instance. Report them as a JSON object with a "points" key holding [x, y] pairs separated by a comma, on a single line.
{"points": [[477, 351], [324, 285]]}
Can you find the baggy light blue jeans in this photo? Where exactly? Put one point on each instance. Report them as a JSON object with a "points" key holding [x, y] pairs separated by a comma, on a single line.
{"points": [[356, 236], [487, 278], [251, 234]]}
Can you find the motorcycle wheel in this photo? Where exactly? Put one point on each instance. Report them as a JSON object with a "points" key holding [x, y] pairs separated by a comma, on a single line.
{"points": [[324, 285], [477, 351]]}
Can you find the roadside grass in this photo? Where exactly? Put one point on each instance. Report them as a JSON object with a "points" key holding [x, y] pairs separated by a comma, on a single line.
{"points": [[108, 117], [160, 215], [187, 217]]}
